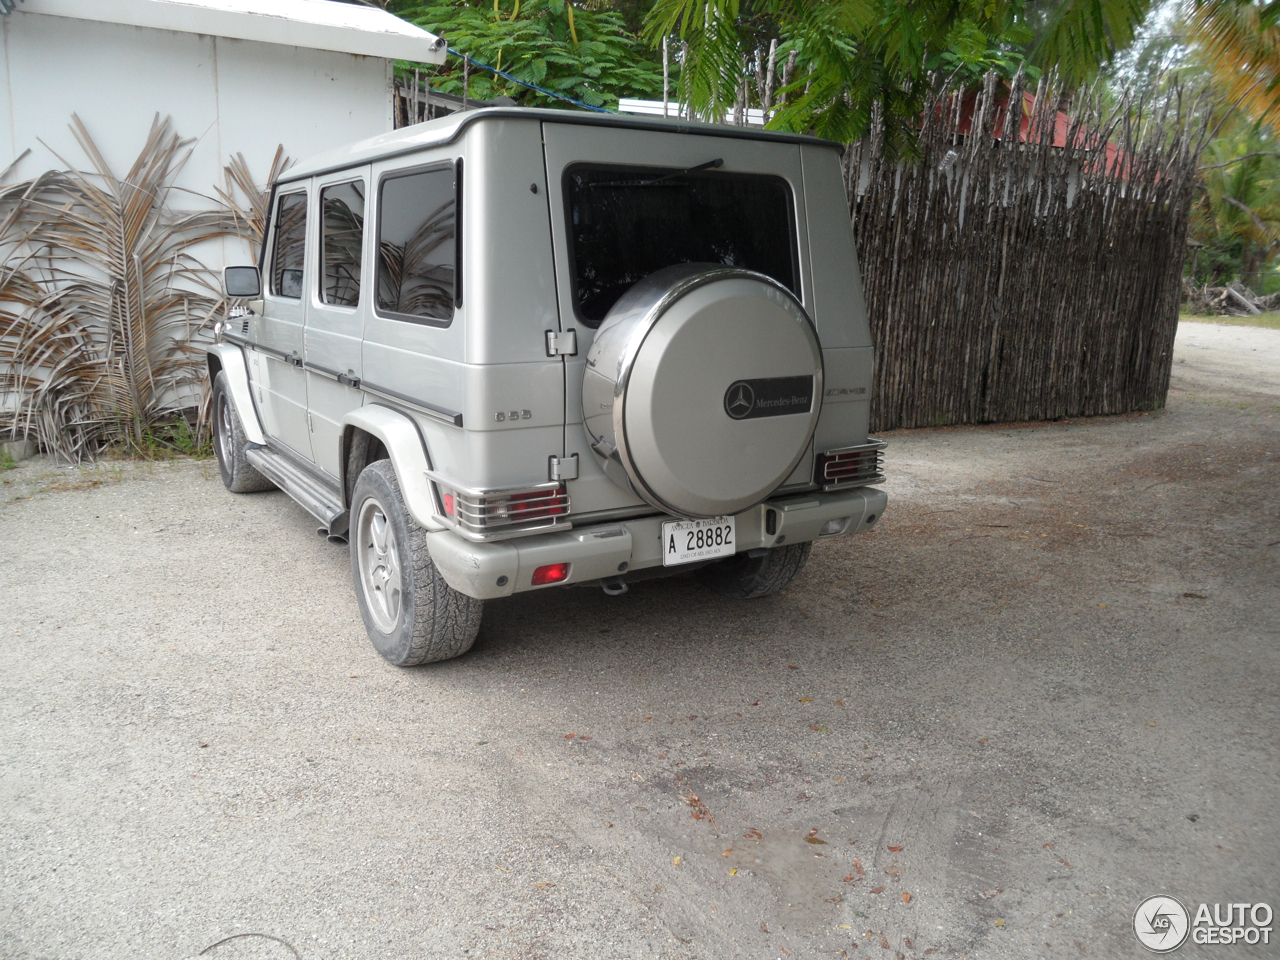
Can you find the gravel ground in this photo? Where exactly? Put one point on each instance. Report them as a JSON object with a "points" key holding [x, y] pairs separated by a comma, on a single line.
{"points": [[1043, 690]]}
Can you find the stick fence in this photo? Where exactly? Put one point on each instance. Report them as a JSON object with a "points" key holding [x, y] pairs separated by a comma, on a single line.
{"points": [[1025, 277]]}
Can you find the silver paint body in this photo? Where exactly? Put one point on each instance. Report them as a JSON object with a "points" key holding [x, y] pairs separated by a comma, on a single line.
{"points": [[492, 359]]}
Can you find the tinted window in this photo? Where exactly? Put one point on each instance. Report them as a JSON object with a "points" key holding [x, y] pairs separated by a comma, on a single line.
{"points": [[417, 219], [290, 245], [627, 222], [342, 216]]}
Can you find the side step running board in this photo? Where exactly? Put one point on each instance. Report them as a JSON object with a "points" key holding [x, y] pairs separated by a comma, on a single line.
{"points": [[313, 495]]}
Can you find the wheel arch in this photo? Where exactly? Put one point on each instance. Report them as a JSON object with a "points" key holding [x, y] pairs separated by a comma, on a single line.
{"points": [[228, 359], [406, 448]]}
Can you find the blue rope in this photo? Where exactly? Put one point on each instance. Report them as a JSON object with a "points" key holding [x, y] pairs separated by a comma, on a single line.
{"points": [[524, 83]]}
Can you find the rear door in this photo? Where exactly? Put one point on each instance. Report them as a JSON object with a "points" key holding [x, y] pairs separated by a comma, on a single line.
{"points": [[276, 364], [592, 172], [337, 304]]}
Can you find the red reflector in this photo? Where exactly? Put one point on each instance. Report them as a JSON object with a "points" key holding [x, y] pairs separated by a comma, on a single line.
{"points": [[551, 573], [448, 504]]}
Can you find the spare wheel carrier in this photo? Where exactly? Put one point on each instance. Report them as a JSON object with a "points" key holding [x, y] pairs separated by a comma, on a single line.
{"points": [[702, 389]]}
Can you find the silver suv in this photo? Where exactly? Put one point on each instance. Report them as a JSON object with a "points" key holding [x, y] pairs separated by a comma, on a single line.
{"points": [[514, 349]]}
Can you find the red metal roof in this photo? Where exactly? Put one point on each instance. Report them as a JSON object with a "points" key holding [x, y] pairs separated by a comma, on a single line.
{"points": [[1083, 139]]}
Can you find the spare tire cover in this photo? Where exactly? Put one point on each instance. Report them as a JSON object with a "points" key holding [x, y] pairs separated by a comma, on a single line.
{"points": [[704, 384]]}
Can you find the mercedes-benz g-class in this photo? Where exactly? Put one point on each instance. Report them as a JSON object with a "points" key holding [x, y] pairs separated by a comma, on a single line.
{"points": [[517, 348]]}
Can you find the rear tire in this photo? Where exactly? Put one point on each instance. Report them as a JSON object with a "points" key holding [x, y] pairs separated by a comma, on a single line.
{"points": [[411, 614], [229, 442], [745, 578]]}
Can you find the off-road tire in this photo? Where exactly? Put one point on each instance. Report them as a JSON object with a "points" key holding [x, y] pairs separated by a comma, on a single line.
{"points": [[745, 578], [431, 620], [229, 442]]}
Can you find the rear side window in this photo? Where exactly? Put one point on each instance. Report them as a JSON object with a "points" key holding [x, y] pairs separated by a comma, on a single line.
{"points": [[290, 245], [417, 246], [626, 222], [342, 216]]}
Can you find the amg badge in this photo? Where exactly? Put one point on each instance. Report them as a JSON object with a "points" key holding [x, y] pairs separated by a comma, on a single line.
{"points": [[768, 397]]}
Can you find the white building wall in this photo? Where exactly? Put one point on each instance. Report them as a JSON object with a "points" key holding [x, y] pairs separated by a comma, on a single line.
{"points": [[231, 96]]}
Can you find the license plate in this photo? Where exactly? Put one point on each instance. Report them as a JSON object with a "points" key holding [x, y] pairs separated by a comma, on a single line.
{"points": [[686, 541]]}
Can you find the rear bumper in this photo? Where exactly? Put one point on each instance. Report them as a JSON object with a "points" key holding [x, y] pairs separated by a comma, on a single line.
{"points": [[600, 551]]}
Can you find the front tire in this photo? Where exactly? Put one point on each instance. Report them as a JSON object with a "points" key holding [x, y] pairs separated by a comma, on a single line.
{"points": [[744, 577], [411, 614], [229, 442]]}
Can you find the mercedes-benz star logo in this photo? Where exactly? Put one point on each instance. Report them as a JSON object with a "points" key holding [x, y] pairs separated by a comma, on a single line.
{"points": [[739, 400]]}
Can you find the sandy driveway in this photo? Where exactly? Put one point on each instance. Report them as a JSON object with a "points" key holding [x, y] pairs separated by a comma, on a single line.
{"points": [[1044, 689]]}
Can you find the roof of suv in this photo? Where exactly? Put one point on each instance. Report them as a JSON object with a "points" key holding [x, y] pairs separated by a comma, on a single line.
{"points": [[447, 129]]}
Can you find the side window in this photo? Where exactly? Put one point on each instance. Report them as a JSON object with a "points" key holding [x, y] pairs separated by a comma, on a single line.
{"points": [[417, 249], [342, 218], [290, 245]]}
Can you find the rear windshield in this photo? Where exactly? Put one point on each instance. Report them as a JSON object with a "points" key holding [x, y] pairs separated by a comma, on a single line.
{"points": [[626, 222]]}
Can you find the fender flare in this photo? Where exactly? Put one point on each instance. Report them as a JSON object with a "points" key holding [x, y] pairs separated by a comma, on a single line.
{"points": [[408, 451], [229, 359]]}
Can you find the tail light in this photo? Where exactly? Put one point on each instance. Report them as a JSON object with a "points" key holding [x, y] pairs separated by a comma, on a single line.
{"points": [[851, 466], [497, 514], [536, 505]]}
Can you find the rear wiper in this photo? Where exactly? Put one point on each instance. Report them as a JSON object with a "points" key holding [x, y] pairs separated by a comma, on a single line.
{"points": [[709, 165]]}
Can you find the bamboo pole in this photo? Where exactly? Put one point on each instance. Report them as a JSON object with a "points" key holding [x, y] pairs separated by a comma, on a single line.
{"points": [[766, 99], [666, 74]]}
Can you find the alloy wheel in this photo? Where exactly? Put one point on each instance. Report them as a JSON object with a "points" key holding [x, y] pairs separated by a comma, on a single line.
{"points": [[379, 560]]}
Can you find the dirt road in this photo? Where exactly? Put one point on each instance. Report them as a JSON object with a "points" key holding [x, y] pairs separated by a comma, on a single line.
{"points": [[1044, 689]]}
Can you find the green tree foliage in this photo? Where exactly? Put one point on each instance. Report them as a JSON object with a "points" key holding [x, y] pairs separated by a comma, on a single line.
{"points": [[1235, 225], [580, 53], [1239, 41], [1237, 215], [856, 59]]}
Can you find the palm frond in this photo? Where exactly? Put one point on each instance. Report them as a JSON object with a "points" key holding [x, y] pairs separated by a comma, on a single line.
{"points": [[250, 216], [103, 299], [1243, 51], [1082, 34]]}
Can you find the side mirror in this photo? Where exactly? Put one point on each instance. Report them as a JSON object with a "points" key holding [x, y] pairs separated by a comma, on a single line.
{"points": [[242, 283]]}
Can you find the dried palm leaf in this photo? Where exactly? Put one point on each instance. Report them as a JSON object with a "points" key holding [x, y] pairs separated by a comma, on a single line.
{"points": [[250, 218], [104, 300]]}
